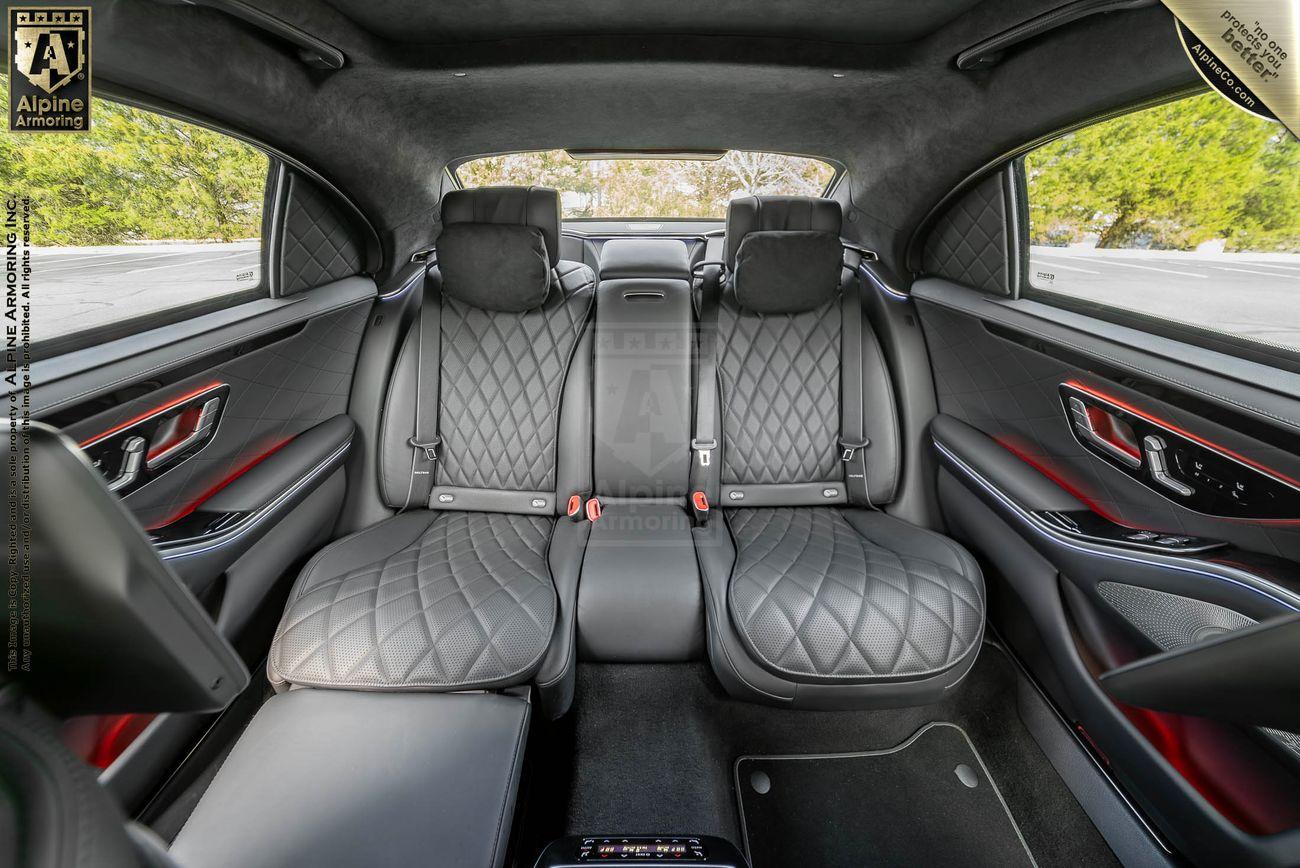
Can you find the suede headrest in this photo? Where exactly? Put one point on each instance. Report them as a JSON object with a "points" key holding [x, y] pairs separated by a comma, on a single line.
{"points": [[511, 206], [494, 266], [785, 213], [787, 272]]}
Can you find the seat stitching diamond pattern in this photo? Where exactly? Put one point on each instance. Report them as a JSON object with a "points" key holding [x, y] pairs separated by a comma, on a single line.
{"points": [[470, 602], [502, 377], [780, 379], [318, 246], [814, 597], [968, 244]]}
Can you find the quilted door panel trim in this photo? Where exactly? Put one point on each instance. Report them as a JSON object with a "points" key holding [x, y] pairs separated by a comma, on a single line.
{"points": [[970, 244]]}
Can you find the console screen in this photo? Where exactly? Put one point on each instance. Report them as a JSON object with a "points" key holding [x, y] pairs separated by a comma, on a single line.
{"points": [[657, 849]]}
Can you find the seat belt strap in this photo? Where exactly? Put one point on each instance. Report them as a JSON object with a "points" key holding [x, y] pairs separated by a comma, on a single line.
{"points": [[426, 442], [704, 445], [853, 441]]}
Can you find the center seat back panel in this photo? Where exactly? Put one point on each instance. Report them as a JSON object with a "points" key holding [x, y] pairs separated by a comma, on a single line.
{"points": [[639, 599], [472, 584]]}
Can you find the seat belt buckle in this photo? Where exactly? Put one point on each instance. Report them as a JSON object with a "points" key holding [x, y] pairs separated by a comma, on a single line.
{"points": [[430, 449], [700, 507], [593, 509], [704, 448], [574, 509], [849, 448]]}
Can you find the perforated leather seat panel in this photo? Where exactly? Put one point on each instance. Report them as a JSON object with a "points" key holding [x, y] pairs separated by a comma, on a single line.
{"points": [[423, 601], [814, 599], [780, 378]]}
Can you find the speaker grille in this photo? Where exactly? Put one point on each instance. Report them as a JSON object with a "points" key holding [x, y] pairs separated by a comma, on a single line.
{"points": [[1169, 620], [1172, 621]]}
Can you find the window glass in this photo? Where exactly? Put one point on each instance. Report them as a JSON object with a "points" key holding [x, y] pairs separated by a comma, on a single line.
{"points": [[1188, 212], [667, 188], [138, 215]]}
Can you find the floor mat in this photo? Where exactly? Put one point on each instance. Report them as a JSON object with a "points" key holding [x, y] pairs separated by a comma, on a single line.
{"points": [[928, 801]]}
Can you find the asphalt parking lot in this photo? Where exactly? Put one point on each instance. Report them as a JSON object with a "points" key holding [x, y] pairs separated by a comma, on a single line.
{"points": [[1255, 296], [1250, 295], [79, 288]]}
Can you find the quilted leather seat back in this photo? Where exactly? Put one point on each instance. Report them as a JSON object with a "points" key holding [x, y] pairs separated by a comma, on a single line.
{"points": [[502, 378], [780, 388]]}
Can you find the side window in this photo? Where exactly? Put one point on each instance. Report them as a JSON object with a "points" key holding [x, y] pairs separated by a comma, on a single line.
{"points": [[139, 216], [1187, 214]]}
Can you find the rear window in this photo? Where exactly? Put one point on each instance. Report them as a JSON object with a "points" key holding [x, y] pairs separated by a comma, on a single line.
{"points": [[649, 188], [138, 216]]}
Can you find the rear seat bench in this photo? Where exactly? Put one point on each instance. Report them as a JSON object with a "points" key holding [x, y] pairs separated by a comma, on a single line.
{"points": [[803, 594]]}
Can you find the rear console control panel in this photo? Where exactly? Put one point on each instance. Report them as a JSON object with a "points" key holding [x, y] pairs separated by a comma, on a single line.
{"points": [[1179, 465], [641, 850]]}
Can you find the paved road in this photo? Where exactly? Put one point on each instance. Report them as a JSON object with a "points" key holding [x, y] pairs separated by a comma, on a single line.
{"points": [[79, 288], [1256, 296]]}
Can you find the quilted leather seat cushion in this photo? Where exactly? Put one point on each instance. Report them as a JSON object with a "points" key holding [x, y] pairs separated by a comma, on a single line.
{"points": [[422, 601], [830, 595]]}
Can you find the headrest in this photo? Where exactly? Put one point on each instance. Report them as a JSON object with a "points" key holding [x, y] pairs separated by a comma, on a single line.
{"points": [[494, 266], [771, 213], [787, 272], [509, 206]]}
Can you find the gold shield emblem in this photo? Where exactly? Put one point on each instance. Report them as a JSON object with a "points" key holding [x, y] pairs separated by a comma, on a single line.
{"points": [[50, 46]]}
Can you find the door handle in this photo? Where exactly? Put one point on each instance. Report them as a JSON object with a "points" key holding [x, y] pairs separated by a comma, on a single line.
{"points": [[1104, 431], [132, 460], [192, 426]]}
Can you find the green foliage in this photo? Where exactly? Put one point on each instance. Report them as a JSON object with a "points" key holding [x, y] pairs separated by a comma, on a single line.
{"points": [[652, 188], [1170, 177], [135, 176]]}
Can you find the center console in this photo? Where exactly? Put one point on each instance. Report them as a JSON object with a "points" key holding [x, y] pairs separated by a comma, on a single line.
{"points": [[704, 851]]}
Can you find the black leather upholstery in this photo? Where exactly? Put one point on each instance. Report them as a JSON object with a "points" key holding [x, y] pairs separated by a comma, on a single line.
{"points": [[461, 592], [329, 777], [518, 206], [778, 213], [816, 606]]}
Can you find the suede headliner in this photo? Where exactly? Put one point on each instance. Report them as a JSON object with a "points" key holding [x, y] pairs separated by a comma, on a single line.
{"points": [[907, 125]]}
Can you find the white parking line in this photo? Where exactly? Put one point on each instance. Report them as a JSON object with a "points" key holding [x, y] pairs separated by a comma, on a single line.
{"points": [[1153, 268], [64, 268], [1248, 271], [1053, 264], [182, 264], [1276, 265]]}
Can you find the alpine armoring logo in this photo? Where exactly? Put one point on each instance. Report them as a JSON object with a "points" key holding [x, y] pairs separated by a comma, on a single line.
{"points": [[49, 69], [1205, 58]]}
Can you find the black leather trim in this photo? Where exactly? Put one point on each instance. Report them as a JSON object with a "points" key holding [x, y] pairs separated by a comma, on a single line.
{"points": [[778, 213], [522, 206], [273, 476]]}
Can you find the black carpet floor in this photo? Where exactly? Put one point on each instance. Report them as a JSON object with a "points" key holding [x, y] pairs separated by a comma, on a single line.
{"points": [[651, 748], [928, 801]]}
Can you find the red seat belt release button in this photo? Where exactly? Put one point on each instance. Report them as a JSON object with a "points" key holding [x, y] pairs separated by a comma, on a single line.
{"points": [[574, 511], [700, 506], [593, 510]]}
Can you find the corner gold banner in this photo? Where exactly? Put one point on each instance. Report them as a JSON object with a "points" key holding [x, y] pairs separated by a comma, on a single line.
{"points": [[1247, 50]]}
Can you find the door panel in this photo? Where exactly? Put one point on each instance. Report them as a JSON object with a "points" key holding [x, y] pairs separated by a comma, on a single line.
{"points": [[275, 393], [1078, 604], [1012, 394]]}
